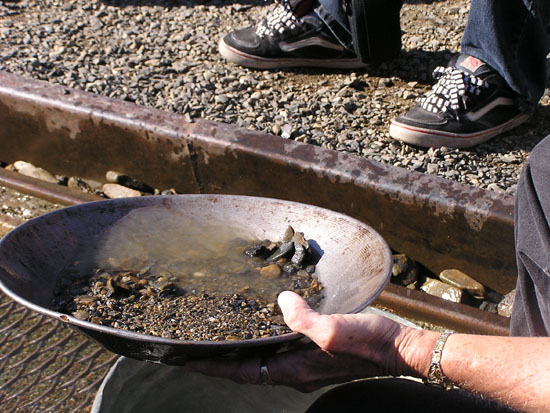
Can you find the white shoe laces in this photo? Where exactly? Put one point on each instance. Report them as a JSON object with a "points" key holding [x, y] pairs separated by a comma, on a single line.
{"points": [[279, 20], [452, 91]]}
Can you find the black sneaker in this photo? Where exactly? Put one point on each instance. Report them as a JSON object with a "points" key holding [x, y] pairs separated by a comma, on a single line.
{"points": [[470, 104], [284, 40]]}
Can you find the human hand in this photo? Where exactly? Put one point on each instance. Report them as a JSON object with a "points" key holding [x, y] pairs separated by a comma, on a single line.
{"points": [[345, 347]]}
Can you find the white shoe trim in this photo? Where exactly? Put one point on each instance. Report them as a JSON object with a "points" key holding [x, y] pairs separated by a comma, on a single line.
{"points": [[312, 41], [430, 138], [256, 62], [474, 116]]}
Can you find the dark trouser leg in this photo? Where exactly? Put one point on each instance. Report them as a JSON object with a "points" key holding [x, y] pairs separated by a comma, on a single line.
{"points": [[512, 37], [531, 313]]}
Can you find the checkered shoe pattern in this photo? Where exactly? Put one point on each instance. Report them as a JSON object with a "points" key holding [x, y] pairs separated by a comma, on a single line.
{"points": [[279, 20], [452, 91], [470, 104]]}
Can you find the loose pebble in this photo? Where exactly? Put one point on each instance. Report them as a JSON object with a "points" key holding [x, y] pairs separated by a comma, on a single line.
{"points": [[506, 305], [271, 271], [442, 290], [28, 169], [463, 281], [119, 191]]}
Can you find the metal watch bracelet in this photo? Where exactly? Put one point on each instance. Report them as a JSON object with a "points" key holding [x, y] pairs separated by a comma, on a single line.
{"points": [[435, 374]]}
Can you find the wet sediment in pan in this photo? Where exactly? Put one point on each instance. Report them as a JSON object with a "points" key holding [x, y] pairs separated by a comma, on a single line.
{"points": [[241, 305]]}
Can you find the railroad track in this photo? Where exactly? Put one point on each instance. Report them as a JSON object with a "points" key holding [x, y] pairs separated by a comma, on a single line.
{"points": [[438, 223]]}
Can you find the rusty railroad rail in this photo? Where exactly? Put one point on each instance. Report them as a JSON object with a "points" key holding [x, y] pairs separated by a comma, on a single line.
{"points": [[437, 222]]}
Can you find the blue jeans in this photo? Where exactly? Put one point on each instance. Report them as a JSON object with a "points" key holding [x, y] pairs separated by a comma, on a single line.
{"points": [[333, 15], [512, 37], [509, 35]]}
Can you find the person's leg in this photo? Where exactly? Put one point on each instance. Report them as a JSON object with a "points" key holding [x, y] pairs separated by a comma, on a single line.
{"points": [[493, 86], [333, 15], [531, 311], [294, 34], [511, 37], [317, 33]]}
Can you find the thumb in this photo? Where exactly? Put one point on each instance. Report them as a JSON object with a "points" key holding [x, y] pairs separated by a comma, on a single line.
{"points": [[297, 314]]}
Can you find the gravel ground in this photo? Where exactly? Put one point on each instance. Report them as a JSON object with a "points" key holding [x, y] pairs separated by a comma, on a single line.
{"points": [[163, 54]]}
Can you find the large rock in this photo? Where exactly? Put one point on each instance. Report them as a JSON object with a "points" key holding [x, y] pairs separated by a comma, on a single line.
{"points": [[442, 290], [505, 306], [28, 169], [119, 191], [463, 281], [404, 271], [82, 185], [125, 180]]}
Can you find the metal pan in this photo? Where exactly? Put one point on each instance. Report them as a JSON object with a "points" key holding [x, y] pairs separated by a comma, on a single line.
{"points": [[354, 266]]}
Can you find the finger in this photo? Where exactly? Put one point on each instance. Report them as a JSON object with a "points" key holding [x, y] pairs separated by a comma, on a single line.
{"points": [[297, 314], [324, 330], [308, 370], [333, 333]]}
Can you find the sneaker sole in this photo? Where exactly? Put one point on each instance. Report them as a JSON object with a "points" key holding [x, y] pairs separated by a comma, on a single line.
{"points": [[428, 138], [256, 62]]}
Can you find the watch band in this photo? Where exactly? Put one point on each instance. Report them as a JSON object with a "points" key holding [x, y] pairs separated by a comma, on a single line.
{"points": [[435, 374]]}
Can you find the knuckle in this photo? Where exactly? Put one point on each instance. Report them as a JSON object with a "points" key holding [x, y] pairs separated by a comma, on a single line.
{"points": [[329, 334]]}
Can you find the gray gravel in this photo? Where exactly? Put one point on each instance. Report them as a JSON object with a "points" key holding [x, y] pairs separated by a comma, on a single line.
{"points": [[163, 54], [22, 207]]}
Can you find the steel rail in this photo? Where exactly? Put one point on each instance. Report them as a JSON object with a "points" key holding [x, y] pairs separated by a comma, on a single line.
{"points": [[437, 222], [417, 305], [403, 301], [44, 190]]}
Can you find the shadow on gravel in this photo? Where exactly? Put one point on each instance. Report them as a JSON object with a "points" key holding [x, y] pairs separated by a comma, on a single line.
{"points": [[179, 3], [190, 3], [412, 65], [423, 1], [176, 3], [523, 138]]}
